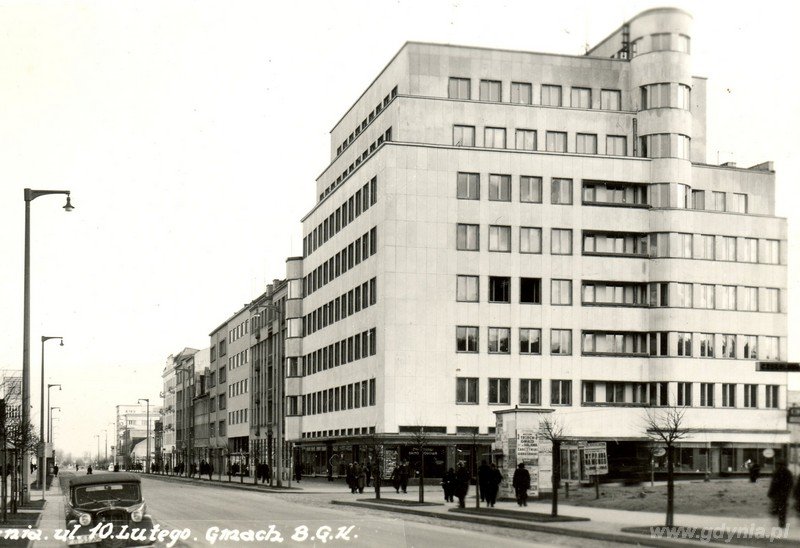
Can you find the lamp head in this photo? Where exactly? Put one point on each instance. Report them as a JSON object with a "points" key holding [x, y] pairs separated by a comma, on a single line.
{"points": [[62, 342], [68, 207]]}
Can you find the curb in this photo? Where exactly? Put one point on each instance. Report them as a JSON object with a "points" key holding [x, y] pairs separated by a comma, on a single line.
{"points": [[524, 525], [230, 485]]}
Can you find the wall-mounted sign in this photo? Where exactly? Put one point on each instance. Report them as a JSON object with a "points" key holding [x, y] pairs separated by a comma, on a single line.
{"points": [[768, 453], [778, 367]]}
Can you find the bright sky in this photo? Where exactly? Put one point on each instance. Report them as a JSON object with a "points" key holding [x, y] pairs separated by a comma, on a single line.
{"points": [[191, 133]]}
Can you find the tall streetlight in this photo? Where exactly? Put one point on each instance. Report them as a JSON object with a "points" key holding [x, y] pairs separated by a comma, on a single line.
{"points": [[50, 423], [30, 195], [98, 449], [42, 432], [147, 462], [49, 386]]}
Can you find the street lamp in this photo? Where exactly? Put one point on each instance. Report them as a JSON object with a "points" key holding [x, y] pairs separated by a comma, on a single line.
{"points": [[42, 432], [49, 386], [98, 449], [147, 465], [50, 423], [278, 395], [30, 195]]}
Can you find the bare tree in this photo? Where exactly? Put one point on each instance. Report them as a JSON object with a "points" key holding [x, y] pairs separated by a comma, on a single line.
{"points": [[420, 440], [552, 429], [666, 426], [18, 438], [374, 447]]}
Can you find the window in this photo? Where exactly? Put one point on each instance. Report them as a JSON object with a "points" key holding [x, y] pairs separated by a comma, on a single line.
{"points": [[468, 186], [750, 395], [616, 145], [703, 247], [490, 90], [726, 297], [586, 143], [556, 141], [467, 237], [525, 139], [561, 292], [685, 394], [727, 346], [530, 392], [494, 137], [747, 250], [698, 199], [561, 342], [581, 98], [521, 93], [561, 241], [768, 348], [750, 347], [560, 392], [551, 95], [499, 340], [610, 99], [727, 248], [589, 392], [728, 395], [615, 392], [685, 344], [771, 300], [770, 252], [771, 396], [665, 145], [748, 299], [738, 203], [561, 191], [681, 295], [717, 201], [530, 189], [499, 391], [706, 343], [467, 289], [466, 390], [459, 88], [464, 136], [655, 96], [530, 341], [530, 240], [466, 339], [707, 394], [499, 289], [500, 188], [499, 238], [530, 290], [661, 41]]}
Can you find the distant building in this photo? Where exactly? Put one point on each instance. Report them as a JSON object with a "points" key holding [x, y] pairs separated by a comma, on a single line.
{"points": [[178, 380], [132, 429]]}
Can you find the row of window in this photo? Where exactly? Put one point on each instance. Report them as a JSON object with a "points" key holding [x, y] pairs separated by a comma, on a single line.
{"points": [[350, 209], [386, 136], [522, 93], [239, 359], [237, 388], [751, 396], [360, 345], [357, 431], [237, 417], [527, 139], [350, 256], [643, 245], [341, 307], [661, 41], [666, 95], [661, 343], [340, 398], [366, 121], [239, 331], [213, 431], [641, 294]]}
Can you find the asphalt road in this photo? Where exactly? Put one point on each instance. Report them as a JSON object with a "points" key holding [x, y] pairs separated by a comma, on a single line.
{"points": [[205, 511]]}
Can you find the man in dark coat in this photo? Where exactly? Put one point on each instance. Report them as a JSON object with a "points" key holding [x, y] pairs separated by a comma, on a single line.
{"points": [[493, 484], [395, 477], [462, 484], [483, 479], [521, 483], [350, 477], [779, 491], [449, 485], [404, 477]]}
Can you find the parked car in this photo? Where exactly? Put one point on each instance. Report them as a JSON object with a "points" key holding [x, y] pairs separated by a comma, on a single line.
{"points": [[102, 499]]}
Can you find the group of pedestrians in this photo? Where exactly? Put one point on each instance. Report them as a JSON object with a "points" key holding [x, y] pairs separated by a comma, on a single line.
{"points": [[779, 490], [400, 477], [489, 479], [358, 476], [456, 484]]}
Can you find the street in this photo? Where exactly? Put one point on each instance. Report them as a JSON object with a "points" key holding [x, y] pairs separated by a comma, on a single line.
{"points": [[202, 508]]}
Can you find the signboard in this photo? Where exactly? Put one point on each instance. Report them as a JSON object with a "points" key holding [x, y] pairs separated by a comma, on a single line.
{"points": [[768, 453], [595, 459], [793, 415], [659, 452], [778, 367]]}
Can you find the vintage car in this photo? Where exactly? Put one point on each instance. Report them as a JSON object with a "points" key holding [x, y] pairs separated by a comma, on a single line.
{"points": [[107, 509]]}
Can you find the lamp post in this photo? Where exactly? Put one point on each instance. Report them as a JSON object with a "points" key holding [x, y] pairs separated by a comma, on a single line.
{"points": [[147, 462], [42, 432], [30, 195], [49, 386], [278, 396], [50, 423], [98, 449]]}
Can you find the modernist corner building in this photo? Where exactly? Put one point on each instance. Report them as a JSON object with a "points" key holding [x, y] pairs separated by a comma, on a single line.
{"points": [[508, 229]]}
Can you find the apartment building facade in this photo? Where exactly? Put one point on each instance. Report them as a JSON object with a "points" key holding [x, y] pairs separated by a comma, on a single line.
{"points": [[506, 228]]}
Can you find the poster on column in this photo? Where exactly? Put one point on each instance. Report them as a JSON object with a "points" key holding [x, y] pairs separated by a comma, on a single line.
{"points": [[528, 453]]}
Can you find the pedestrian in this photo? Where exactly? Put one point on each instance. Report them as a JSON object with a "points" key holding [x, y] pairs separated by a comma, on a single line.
{"points": [[779, 490], [360, 479], [395, 477], [755, 471], [350, 477], [462, 484], [116, 468], [449, 484], [404, 476], [298, 472], [483, 479], [368, 472], [55, 470], [495, 478], [89, 469], [210, 470], [521, 483]]}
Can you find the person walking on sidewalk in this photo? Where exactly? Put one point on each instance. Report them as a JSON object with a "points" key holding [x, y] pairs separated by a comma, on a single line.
{"points": [[521, 483], [449, 484], [462, 484], [779, 490], [483, 479], [350, 477], [493, 484], [395, 477], [361, 478], [404, 477]]}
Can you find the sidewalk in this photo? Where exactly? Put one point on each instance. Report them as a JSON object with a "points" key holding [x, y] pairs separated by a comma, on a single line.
{"points": [[598, 523], [52, 517]]}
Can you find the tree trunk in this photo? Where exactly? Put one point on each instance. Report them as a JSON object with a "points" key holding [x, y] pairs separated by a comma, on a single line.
{"points": [[556, 476], [670, 488], [421, 475]]}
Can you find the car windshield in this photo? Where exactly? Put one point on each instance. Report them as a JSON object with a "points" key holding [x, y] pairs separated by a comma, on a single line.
{"points": [[109, 493]]}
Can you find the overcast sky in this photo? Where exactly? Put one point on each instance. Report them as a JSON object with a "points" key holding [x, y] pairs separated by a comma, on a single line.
{"points": [[191, 134]]}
